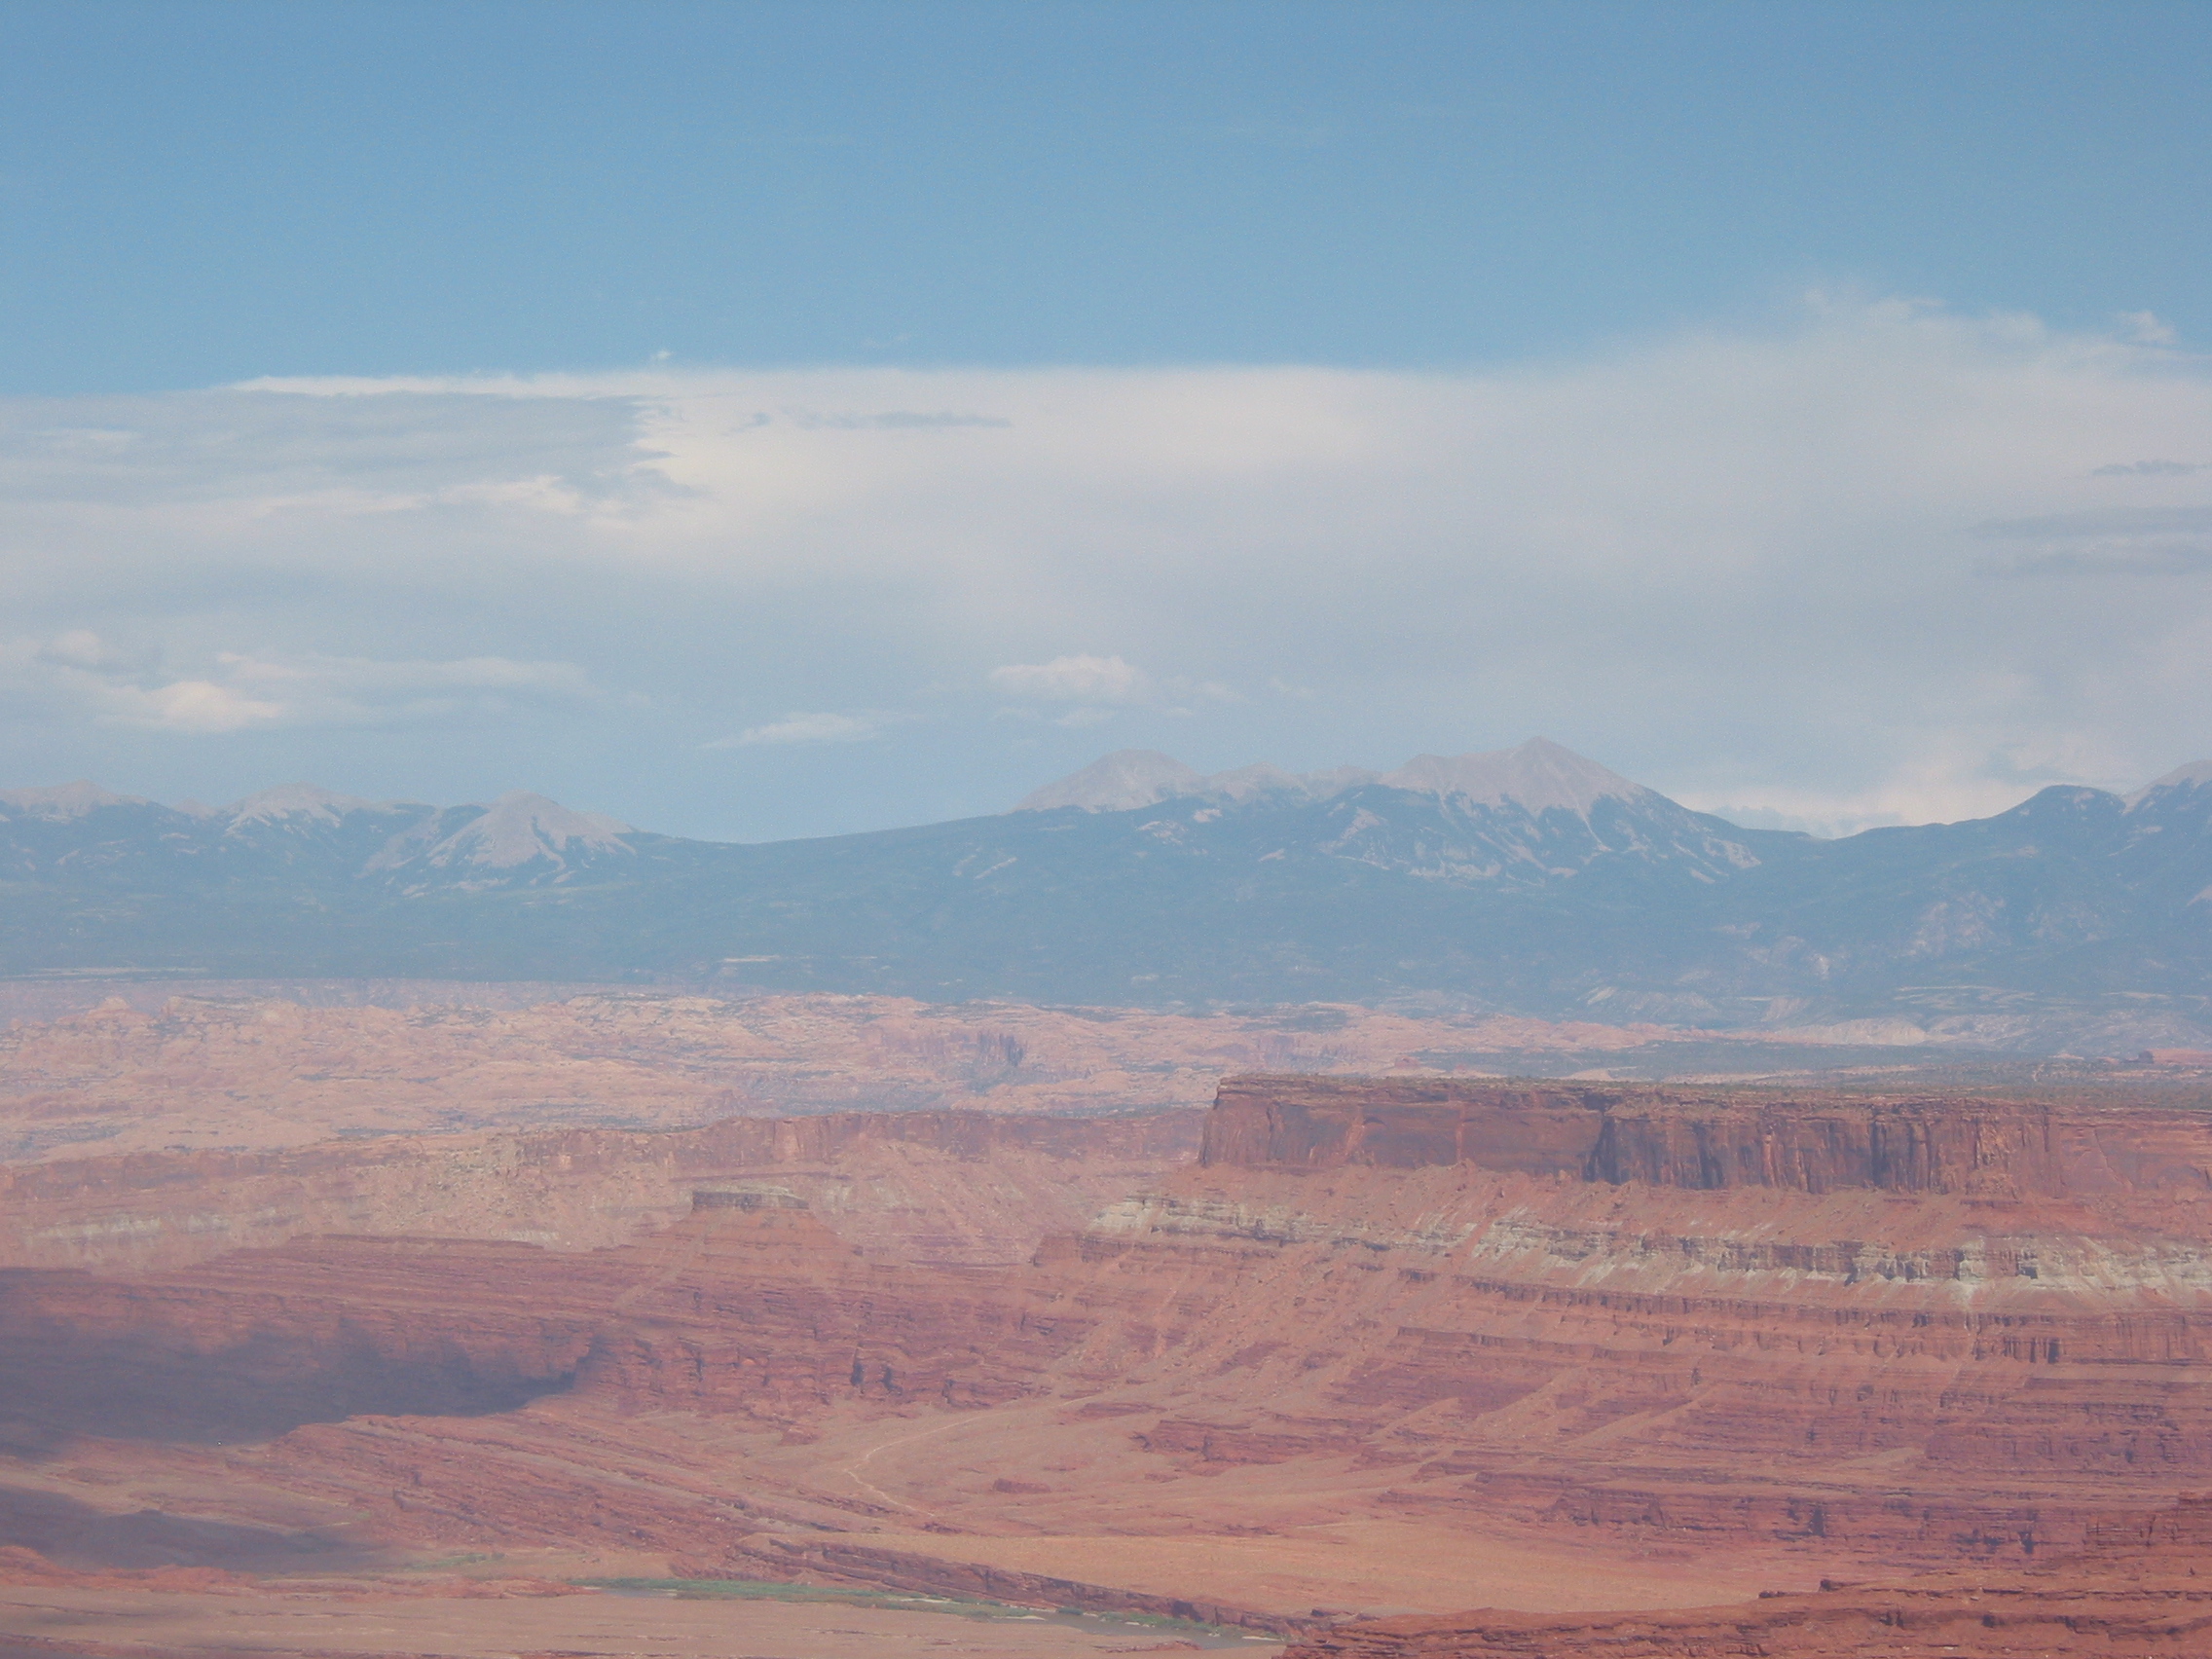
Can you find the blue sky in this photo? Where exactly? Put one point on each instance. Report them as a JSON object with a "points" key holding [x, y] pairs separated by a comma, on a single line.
{"points": [[203, 193], [772, 420]]}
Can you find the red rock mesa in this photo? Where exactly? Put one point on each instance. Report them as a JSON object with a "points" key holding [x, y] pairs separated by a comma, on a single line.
{"points": [[1415, 1344]]}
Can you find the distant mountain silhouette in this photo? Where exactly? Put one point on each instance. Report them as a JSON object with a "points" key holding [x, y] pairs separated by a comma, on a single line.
{"points": [[1531, 879]]}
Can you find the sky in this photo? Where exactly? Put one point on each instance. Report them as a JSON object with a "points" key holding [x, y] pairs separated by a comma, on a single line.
{"points": [[757, 421]]}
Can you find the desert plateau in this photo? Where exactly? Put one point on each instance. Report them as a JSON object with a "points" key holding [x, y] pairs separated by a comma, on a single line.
{"points": [[1038, 829], [626, 1323]]}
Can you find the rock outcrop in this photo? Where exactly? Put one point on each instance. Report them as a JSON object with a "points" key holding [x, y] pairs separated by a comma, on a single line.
{"points": [[1709, 1140], [2137, 1589], [1689, 1343], [973, 1187], [2139, 1615], [234, 1074]]}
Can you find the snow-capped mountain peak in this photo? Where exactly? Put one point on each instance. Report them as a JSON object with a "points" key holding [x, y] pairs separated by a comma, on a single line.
{"points": [[1537, 777], [64, 800], [1118, 782], [2195, 775], [296, 803], [519, 827]]}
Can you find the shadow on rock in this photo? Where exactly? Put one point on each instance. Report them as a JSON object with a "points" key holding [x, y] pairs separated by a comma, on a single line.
{"points": [[75, 1535], [57, 1380]]}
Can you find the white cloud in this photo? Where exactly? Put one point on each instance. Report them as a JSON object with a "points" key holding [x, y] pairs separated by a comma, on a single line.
{"points": [[185, 704], [806, 729], [1741, 566], [1099, 687], [2148, 328], [80, 648], [1073, 680], [2148, 470], [78, 669]]}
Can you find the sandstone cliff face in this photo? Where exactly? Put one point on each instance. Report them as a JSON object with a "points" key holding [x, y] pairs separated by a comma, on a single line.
{"points": [[933, 1186], [1727, 1315], [769, 1313], [1709, 1140], [1296, 1123], [2142, 1615], [1802, 1332], [201, 1074], [2136, 1590]]}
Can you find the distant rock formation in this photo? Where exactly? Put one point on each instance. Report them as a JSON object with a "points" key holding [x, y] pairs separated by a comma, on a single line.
{"points": [[63, 801], [1117, 782], [1531, 880], [1709, 1140], [1822, 1333], [1539, 776], [2142, 1599]]}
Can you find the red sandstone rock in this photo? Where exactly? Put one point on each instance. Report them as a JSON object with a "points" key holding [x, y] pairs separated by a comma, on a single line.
{"points": [[201, 1074], [1881, 1334], [1981, 1621], [945, 1186], [1669, 1137], [2144, 1595]]}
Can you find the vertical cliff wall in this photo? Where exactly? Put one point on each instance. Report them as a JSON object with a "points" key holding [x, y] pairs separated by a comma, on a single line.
{"points": [[949, 1186], [1902, 1331], [1710, 1140]]}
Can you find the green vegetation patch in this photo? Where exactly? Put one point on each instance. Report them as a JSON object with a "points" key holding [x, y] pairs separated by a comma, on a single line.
{"points": [[770, 1590], [902, 1600]]}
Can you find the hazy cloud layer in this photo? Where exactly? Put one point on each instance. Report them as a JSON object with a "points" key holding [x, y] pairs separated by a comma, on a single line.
{"points": [[806, 729], [2149, 470], [1073, 680], [1877, 563], [2111, 541], [79, 675]]}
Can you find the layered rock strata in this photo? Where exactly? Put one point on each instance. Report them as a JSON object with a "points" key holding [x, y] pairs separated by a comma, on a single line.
{"points": [[935, 1186], [1713, 1139], [2138, 1589], [1739, 1332], [202, 1073], [2141, 1614]]}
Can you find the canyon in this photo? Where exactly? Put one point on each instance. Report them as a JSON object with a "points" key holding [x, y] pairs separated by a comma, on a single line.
{"points": [[1329, 1361], [149, 1069]]}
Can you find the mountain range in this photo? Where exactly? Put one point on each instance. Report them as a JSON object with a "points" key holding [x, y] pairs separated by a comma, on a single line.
{"points": [[1531, 879]]}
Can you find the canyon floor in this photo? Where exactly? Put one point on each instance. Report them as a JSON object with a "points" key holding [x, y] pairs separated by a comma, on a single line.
{"points": [[148, 1069], [360, 1330], [96, 1069]]}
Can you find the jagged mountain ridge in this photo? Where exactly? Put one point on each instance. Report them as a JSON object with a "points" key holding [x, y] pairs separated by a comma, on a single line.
{"points": [[1538, 776], [78, 829], [1523, 817], [1531, 879]]}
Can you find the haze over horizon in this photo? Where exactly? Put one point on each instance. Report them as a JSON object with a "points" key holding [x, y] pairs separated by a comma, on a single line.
{"points": [[1063, 827], [1538, 776], [799, 420]]}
